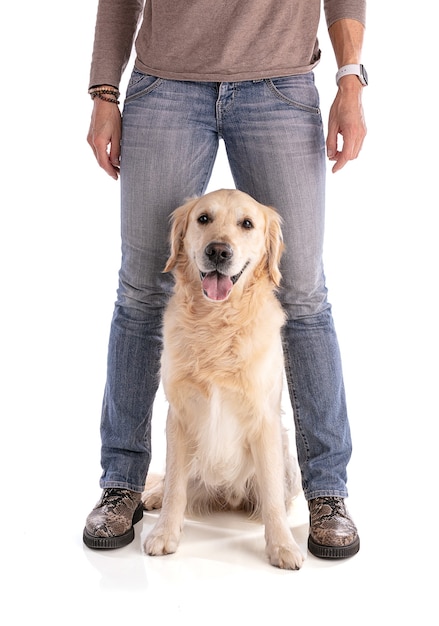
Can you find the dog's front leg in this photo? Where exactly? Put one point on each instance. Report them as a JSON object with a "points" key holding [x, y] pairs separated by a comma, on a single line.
{"points": [[281, 548], [165, 536]]}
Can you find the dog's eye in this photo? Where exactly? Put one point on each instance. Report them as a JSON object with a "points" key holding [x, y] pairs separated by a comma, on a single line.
{"points": [[247, 224], [203, 219]]}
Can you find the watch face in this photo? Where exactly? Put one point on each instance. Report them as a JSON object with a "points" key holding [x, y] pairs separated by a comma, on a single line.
{"points": [[364, 78]]}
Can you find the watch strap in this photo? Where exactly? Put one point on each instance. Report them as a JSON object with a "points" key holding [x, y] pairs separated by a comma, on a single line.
{"points": [[352, 68]]}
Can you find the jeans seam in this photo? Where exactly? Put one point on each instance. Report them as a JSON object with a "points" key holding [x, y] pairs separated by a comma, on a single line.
{"points": [[292, 103], [294, 401], [144, 92]]}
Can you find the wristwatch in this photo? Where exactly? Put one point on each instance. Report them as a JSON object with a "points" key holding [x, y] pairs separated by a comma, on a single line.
{"points": [[358, 70]]}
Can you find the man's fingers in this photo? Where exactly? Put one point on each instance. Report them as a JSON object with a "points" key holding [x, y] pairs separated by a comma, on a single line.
{"points": [[351, 143], [331, 141], [115, 154]]}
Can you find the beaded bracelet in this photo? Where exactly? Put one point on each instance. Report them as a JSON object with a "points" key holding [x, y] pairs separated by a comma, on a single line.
{"points": [[101, 97], [100, 92], [104, 90]]}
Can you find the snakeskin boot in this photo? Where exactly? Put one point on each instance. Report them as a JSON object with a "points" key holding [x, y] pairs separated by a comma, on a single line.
{"points": [[332, 533], [110, 524]]}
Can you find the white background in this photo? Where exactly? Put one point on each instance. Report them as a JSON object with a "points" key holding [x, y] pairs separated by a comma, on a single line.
{"points": [[59, 260]]}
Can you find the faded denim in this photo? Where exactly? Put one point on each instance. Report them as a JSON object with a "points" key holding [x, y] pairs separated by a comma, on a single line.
{"points": [[274, 140]]}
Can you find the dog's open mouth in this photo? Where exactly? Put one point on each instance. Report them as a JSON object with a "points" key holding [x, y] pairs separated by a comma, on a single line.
{"points": [[217, 286]]}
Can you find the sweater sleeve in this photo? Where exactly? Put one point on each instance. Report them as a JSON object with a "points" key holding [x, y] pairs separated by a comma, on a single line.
{"points": [[116, 26], [341, 9]]}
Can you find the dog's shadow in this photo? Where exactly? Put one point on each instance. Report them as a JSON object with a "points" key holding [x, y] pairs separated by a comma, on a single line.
{"points": [[225, 537]]}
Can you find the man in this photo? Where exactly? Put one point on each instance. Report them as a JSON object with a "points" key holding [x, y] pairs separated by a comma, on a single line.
{"points": [[242, 72]]}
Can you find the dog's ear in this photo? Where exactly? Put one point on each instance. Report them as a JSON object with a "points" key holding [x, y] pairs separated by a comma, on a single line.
{"points": [[275, 245], [179, 221]]}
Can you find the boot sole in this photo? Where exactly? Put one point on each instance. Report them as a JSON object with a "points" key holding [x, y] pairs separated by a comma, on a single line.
{"points": [[333, 552], [111, 543]]}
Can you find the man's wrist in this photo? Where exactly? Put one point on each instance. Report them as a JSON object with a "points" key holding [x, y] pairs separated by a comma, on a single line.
{"points": [[106, 93], [353, 69]]}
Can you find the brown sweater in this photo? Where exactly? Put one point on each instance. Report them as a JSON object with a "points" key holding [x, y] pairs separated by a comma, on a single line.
{"points": [[212, 40]]}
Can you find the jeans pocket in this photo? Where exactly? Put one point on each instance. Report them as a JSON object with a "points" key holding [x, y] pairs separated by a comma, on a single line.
{"points": [[141, 84], [296, 91]]}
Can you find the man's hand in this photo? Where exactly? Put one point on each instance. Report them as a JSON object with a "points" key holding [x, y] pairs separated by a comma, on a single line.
{"points": [[346, 118], [104, 135]]}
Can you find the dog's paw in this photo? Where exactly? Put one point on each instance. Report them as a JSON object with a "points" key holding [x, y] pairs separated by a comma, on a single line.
{"points": [[152, 497], [286, 556], [152, 500], [160, 543]]}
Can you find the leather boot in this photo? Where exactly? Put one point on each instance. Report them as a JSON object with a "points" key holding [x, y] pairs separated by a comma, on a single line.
{"points": [[332, 534], [110, 524]]}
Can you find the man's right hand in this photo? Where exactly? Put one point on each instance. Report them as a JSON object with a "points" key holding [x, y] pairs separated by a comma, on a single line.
{"points": [[105, 134]]}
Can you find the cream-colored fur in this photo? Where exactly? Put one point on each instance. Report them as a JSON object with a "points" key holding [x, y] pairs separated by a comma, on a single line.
{"points": [[222, 369]]}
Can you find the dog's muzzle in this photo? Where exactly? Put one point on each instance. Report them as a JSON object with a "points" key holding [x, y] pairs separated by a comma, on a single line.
{"points": [[217, 284]]}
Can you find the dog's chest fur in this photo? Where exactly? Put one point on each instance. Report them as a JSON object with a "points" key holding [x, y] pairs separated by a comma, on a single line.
{"points": [[222, 454], [226, 379]]}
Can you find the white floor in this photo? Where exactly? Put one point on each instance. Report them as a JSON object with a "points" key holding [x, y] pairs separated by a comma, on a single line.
{"points": [[220, 573], [59, 257]]}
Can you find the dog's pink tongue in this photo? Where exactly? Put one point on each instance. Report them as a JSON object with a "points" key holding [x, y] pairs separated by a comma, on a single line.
{"points": [[216, 286]]}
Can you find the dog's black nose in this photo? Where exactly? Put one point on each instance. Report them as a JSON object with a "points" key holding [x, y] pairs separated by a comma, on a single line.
{"points": [[218, 252]]}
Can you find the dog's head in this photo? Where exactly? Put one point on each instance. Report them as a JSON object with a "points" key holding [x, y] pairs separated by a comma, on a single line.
{"points": [[223, 239]]}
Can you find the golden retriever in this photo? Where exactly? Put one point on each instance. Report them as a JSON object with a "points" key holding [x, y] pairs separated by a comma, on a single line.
{"points": [[222, 373]]}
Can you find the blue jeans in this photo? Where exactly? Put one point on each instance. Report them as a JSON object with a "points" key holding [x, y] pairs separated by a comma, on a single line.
{"points": [[272, 130]]}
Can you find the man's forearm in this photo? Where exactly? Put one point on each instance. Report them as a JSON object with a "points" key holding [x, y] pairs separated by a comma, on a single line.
{"points": [[347, 40]]}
